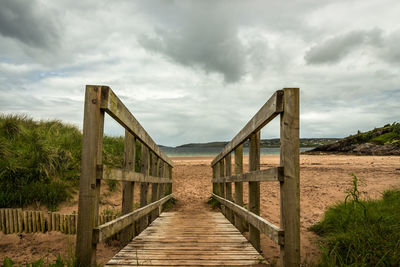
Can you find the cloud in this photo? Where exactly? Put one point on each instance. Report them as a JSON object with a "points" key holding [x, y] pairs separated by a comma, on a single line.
{"points": [[335, 48], [28, 22]]}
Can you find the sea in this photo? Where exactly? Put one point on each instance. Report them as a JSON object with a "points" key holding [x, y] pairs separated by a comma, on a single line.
{"points": [[213, 151]]}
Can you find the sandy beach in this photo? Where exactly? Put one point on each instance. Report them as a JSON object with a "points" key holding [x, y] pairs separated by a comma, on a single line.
{"points": [[324, 181]]}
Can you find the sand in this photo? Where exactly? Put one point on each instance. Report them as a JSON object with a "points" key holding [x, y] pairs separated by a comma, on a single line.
{"points": [[324, 181]]}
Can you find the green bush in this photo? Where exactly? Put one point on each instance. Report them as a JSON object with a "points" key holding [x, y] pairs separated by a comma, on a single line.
{"points": [[40, 160], [361, 232]]}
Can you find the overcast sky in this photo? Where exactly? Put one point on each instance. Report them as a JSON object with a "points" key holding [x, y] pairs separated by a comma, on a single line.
{"points": [[197, 71]]}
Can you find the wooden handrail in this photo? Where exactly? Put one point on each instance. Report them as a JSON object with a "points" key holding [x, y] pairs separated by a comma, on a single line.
{"points": [[272, 231], [104, 231], [271, 108], [271, 174], [98, 101], [286, 103], [109, 173], [114, 107]]}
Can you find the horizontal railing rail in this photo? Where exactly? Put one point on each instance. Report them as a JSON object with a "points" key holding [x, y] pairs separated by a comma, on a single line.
{"points": [[150, 167], [286, 104]]}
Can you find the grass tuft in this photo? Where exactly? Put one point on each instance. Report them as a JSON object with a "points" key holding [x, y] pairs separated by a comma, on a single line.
{"points": [[361, 232]]}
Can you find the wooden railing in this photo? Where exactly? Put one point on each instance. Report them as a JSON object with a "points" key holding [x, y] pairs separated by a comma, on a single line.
{"points": [[286, 104], [156, 169]]}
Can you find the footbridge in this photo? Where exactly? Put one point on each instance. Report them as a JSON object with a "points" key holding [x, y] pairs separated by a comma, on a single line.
{"points": [[152, 237]]}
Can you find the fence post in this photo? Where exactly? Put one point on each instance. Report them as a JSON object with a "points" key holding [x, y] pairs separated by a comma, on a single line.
{"points": [[290, 187], [228, 186], [154, 186], [144, 186], [254, 187], [239, 223], [222, 185], [93, 123], [128, 187]]}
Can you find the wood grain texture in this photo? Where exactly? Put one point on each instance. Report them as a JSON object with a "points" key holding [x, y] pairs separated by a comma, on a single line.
{"points": [[174, 239], [267, 175], [269, 111], [144, 187], [110, 173], [239, 222], [254, 188], [116, 109], [85, 252], [269, 229], [128, 186], [290, 187], [228, 185], [112, 227]]}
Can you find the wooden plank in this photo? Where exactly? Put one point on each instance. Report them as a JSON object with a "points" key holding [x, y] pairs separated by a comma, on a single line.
{"points": [[144, 187], [128, 187], [110, 173], [222, 185], [156, 246], [268, 111], [254, 188], [87, 215], [228, 185], [108, 229], [266, 175], [154, 187], [116, 109], [275, 233], [239, 223], [290, 187]]}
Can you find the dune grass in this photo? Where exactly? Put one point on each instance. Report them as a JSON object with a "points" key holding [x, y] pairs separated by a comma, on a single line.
{"points": [[359, 232], [40, 160]]}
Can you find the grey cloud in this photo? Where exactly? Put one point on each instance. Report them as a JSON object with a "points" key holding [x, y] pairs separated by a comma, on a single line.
{"points": [[334, 49], [28, 22], [390, 50]]}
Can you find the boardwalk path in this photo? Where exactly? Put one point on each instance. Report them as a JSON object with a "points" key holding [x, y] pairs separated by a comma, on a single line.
{"points": [[181, 239]]}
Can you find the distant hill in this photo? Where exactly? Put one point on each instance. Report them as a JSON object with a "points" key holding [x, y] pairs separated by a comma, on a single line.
{"points": [[266, 143], [379, 141]]}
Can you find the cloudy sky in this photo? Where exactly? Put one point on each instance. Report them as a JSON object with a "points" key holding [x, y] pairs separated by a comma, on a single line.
{"points": [[197, 71]]}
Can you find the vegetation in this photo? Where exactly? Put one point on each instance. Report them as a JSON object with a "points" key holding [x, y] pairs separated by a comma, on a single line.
{"points": [[388, 134], [40, 161], [39, 263], [361, 232]]}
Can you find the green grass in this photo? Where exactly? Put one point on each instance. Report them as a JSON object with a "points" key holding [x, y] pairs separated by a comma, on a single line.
{"points": [[388, 134], [361, 232], [39, 263], [40, 161]]}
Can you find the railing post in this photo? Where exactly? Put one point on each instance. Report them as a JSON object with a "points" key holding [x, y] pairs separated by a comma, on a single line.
{"points": [[239, 223], [222, 185], [290, 187], [228, 186], [254, 187], [128, 187], [154, 186], [93, 126], [217, 175], [161, 188], [143, 222]]}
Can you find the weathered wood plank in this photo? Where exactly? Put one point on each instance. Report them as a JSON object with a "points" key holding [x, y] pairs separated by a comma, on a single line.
{"points": [[110, 228], [290, 187], [275, 233], [267, 175], [85, 251], [239, 223], [269, 111], [144, 187], [128, 187], [254, 188], [179, 246], [228, 185], [116, 109], [110, 173]]}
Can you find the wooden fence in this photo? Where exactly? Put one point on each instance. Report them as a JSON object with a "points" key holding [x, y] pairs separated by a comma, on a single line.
{"points": [[30, 221], [155, 169], [286, 104]]}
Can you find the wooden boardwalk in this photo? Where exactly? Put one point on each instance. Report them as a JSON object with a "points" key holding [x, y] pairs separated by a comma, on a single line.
{"points": [[177, 239]]}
